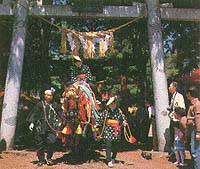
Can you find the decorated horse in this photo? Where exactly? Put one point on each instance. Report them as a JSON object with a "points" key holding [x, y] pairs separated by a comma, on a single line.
{"points": [[80, 112]]}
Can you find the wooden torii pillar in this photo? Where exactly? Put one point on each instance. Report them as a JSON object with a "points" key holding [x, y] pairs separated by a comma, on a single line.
{"points": [[158, 73], [14, 74]]}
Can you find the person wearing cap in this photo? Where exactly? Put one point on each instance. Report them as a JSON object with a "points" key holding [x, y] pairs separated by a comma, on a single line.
{"points": [[111, 121], [80, 71], [41, 119]]}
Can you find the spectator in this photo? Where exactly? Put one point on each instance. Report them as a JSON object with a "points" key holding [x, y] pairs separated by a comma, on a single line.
{"points": [[177, 100], [152, 120], [193, 123], [141, 124], [179, 135]]}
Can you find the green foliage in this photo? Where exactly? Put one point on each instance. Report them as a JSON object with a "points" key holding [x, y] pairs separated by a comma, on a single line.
{"points": [[6, 25], [171, 66], [55, 82], [181, 45], [119, 55], [115, 89], [134, 90]]}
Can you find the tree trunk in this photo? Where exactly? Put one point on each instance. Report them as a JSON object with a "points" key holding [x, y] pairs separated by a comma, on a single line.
{"points": [[14, 74], [158, 73]]}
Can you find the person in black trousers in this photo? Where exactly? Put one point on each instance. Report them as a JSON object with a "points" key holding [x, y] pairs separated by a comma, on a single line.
{"points": [[42, 119], [111, 120]]}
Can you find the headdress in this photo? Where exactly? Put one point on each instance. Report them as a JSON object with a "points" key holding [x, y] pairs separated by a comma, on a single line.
{"points": [[49, 91]]}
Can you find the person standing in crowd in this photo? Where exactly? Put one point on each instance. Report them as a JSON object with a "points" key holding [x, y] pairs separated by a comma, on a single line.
{"points": [[177, 100], [144, 126], [152, 125], [179, 146], [42, 118], [193, 123], [141, 124], [179, 135], [80, 71], [111, 121]]}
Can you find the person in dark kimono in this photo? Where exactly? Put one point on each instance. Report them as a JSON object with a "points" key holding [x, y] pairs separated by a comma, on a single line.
{"points": [[42, 120], [80, 71], [111, 120]]}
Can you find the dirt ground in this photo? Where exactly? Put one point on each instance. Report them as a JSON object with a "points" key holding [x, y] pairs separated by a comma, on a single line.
{"points": [[130, 158]]}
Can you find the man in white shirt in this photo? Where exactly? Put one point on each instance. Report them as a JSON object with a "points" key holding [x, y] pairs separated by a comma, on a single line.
{"points": [[177, 100]]}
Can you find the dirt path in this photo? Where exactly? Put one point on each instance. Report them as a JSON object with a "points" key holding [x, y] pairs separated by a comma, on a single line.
{"points": [[26, 159]]}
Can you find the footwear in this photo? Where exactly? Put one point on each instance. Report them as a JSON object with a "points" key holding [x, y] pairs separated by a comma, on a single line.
{"points": [[110, 164], [113, 161], [182, 164], [50, 162], [176, 162], [41, 163]]}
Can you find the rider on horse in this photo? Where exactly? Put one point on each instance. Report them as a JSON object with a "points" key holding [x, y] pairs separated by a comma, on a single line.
{"points": [[79, 106], [80, 71]]}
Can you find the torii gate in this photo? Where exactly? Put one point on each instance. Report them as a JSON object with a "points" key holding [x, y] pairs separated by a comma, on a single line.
{"points": [[155, 14]]}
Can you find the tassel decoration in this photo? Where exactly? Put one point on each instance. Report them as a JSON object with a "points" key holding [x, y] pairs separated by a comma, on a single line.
{"points": [[102, 51], [111, 46], [63, 42], [77, 46]]}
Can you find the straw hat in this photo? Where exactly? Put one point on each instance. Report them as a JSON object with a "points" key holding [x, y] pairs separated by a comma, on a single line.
{"points": [[77, 58], [111, 100]]}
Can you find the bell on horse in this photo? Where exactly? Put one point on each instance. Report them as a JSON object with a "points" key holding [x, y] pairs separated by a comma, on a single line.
{"points": [[67, 130], [79, 130]]}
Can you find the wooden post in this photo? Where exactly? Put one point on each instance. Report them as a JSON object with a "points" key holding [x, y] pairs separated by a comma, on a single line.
{"points": [[14, 74], [158, 73]]}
